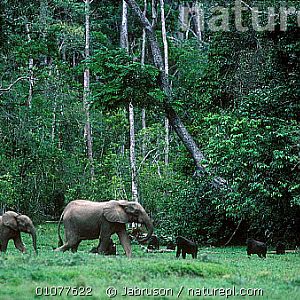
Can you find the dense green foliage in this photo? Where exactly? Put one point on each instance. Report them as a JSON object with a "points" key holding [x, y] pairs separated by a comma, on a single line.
{"points": [[20, 275], [237, 93]]}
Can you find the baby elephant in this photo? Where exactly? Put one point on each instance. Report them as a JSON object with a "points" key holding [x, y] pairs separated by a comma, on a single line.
{"points": [[11, 226], [186, 246], [256, 247]]}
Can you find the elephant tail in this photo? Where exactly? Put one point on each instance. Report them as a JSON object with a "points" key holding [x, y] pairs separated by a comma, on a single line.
{"points": [[60, 241]]}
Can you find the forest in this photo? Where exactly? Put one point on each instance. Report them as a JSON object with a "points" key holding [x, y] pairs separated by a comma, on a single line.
{"points": [[177, 105]]}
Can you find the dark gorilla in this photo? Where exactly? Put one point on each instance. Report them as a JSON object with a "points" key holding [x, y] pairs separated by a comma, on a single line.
{"points": [[171, 245], [280, 248], [58, 202], [186, 247], [111, 249], [153, 243], [256, 247]]}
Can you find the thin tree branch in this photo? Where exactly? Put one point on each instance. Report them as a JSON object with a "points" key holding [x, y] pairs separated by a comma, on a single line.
{"points": [[253, 9], [145, 157], [236, 229], [12, 84]]}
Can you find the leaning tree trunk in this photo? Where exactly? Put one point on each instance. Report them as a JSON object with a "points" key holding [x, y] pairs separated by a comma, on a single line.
{"points": [[171, 114]]}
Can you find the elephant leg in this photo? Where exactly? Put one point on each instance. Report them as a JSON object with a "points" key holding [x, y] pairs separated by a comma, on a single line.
{"points": [[104, 238], [75, 247], [4, 245], [103, 244], [94, 249], [72, 243], [125, 241], [19, 244], [63, 248], [183, 254]]}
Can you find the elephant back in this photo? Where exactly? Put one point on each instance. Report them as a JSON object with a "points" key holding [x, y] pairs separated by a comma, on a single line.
{"points": [[83, 209]]}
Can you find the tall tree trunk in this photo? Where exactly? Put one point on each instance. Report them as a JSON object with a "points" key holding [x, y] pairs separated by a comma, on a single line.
{"points": [[60, 135], [183, 20], [87, 93], [144, 128], [124, 44], [167, 140], [154, 12], [134, 186], [53, 120], [143, 55], [74, 63], [124, 27], [171, 114], [30, 71], [198, 19], [166, 69], [43, 23]]}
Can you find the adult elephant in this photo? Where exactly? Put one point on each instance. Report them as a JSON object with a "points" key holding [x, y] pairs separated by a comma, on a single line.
{"points": [[87, 220], [11, 226]]}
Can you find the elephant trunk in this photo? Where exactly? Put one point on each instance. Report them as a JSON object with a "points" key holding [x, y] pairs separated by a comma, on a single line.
{"points": [[149, 226], [33, 234]]}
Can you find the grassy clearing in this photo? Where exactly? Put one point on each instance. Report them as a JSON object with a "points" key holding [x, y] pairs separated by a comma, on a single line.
{"points": [[20, 275]]}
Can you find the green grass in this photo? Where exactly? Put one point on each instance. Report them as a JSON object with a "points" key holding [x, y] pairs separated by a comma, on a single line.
{"points": [[21, 274]]}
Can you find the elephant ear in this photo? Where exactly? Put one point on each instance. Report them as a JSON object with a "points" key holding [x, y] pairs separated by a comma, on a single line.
{"points": [[114, 212], [9, 220]]}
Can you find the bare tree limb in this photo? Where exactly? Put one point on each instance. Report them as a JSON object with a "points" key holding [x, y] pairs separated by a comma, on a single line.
{"points": [[236, 229], [145, 157], [12, 84]]}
